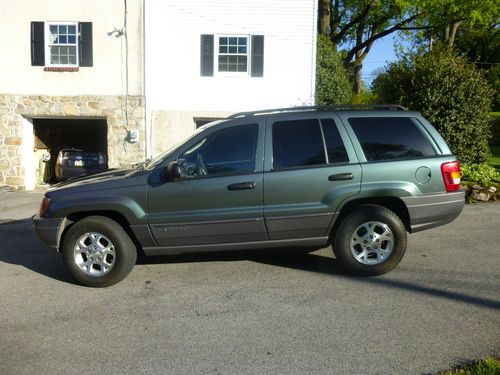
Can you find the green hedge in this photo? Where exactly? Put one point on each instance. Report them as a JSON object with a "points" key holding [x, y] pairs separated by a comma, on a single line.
{"points": [[332, 80]]}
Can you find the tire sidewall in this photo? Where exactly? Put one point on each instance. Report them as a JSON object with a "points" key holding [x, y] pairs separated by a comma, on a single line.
{"points": [[342, 240], [125, 252]]}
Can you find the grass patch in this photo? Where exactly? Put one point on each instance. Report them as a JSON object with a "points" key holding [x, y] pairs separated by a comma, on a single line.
{"points": [[487, 366], [494, 160]]}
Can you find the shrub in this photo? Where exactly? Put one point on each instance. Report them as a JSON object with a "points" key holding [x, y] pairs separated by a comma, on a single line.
{"points": [[483, 174], [450, 92], [332, 80]]}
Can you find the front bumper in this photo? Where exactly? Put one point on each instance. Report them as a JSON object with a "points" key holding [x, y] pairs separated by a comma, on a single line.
{"points": [[49, 230], [431, 211]]}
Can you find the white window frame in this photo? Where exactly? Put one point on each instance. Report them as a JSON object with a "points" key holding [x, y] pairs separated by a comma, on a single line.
{"points": [[217, 54], [48, 44]]}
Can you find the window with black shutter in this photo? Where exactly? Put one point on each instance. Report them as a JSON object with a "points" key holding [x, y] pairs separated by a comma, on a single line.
{"points": [[61, 44], [232, 55]]}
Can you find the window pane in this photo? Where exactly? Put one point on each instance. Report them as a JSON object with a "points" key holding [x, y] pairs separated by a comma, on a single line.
{"points": [[226, 151], [72, 39], [72, 29], [53, 29], [54, 55], [334, 145], [297, 143], [233, 49], [233, 41], [242, 49], [62, 29], [242, 41], [385, 138], [223, 41], [63, 39]]}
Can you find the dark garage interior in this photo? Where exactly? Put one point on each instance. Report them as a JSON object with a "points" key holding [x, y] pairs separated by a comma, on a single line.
{"points": [[54, 135]]}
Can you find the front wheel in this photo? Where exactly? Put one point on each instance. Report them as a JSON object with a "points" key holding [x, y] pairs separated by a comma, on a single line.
{"points": [[370, 241], [98, 252]]}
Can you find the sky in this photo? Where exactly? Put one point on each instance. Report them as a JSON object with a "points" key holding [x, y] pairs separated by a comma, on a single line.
{"points": [[382, 52]]}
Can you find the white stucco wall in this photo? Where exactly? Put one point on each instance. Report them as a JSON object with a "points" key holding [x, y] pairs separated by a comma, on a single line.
{"points": [[106, 77], [173, 30]]}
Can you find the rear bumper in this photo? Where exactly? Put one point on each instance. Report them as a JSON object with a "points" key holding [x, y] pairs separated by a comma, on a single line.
{"points": [[64, 173], [49, 229], [434, 210]]}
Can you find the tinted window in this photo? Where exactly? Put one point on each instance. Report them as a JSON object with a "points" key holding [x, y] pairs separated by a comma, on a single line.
{"points": [[385, 138], [226, 151], [297, 143], [334, 145]]}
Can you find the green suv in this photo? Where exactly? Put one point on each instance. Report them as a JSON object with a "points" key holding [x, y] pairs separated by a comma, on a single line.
{"points": [[356, 178]]}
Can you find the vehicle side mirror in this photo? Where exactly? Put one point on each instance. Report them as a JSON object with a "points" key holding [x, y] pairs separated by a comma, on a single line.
{"points": [[173, 171]]}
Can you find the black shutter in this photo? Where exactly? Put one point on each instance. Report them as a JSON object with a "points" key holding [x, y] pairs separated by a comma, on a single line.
{"points": [[257, 56], [37, 44], [85, 44], [207, 55]]}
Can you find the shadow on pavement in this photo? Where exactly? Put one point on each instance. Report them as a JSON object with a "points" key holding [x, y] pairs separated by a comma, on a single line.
{"points": [[20, 246]]}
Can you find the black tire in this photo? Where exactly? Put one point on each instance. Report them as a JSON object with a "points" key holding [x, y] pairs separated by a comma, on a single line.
{"points": [[123, 258], [353, 228]]}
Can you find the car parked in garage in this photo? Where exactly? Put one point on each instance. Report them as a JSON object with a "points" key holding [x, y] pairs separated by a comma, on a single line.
{"points": [[356, 178], [72, 162]]}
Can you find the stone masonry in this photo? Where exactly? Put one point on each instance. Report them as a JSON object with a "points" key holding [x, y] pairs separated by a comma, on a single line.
{"points": [[112, 108]]}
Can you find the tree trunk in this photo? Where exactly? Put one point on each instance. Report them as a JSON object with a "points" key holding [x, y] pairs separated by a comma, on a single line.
{"points": [[453, 32], [358, 78], [324, 17], [446, 34]]}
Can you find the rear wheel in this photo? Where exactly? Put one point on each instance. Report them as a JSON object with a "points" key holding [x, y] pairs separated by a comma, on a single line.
{"points": [[370, 241], [98, 252]]}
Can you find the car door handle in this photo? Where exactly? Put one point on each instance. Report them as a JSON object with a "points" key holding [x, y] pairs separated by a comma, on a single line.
{"points": [[242, 186], [340, 177]]}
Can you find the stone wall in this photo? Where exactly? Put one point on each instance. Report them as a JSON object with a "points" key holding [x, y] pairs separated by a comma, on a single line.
{"points": [[14, 108]]}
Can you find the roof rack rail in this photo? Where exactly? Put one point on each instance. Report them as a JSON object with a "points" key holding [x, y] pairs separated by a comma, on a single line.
{"points": [[338, 107]]}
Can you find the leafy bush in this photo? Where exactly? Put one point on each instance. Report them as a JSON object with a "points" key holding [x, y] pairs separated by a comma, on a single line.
{"points": [[483, 174], [332, 80], [364, 97], [487, 366], [450, 92]]}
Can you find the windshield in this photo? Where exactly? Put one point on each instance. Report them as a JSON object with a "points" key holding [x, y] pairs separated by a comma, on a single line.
{"points": [[154, 162]]}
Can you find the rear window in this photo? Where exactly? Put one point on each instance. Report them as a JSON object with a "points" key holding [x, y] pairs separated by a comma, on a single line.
{"points": [[80, 155], [386, 138]]}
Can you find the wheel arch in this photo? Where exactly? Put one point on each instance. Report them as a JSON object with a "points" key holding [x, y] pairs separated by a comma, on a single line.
{"points": [[394, 204], [116, 216]]}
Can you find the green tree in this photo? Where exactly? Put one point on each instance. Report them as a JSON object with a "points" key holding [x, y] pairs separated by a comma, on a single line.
{"points": [[481, 45], [353, 26], [332, 81], [441, 20], [449, 91]]}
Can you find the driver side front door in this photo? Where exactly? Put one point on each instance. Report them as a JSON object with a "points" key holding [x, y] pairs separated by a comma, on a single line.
{"points": [[219, 199]]}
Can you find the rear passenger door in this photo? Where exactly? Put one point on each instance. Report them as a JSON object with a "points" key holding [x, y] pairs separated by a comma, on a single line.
{"points": [[310, 168]]}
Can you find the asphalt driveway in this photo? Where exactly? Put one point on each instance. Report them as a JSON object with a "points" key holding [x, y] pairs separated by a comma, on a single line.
{"points": [[252, 312]]}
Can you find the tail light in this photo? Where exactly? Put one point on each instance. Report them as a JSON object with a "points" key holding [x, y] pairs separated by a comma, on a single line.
{"points": [[44, 206], [451, 175]]}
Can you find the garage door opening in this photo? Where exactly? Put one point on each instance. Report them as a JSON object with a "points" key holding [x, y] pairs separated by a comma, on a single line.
{"points": [[75, 146]]}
